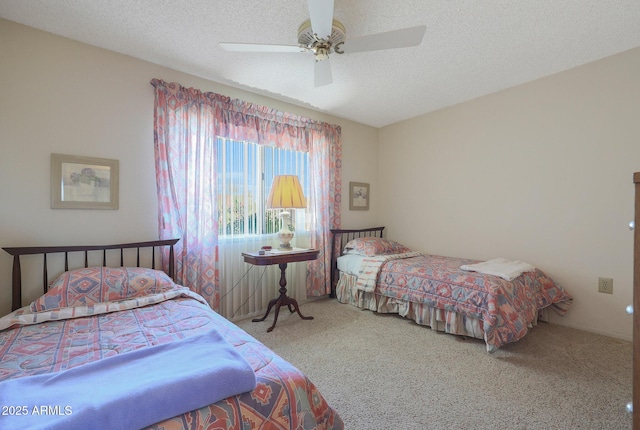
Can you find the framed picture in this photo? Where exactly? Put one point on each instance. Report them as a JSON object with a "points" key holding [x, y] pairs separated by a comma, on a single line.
{"points": [[358, 196], [83, 182]]}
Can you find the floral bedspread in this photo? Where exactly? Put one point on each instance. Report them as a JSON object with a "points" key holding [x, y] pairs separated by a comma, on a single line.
{"points": [[506, 308], [370, 269], [284, 398]]}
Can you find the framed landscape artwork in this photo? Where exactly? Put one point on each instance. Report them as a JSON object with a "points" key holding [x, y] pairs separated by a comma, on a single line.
{"points": [[83, 182], [358, 196]]}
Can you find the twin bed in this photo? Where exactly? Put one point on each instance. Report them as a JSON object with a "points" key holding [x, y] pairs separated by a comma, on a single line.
{"points": [[126, 347], [497, 301]]}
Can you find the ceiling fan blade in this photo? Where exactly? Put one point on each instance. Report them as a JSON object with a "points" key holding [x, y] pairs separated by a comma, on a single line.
{"points": [[257, 47], [321, 15], [403, 38], [322, 73]]}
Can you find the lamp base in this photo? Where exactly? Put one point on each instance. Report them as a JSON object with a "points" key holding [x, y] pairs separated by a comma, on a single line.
{"points": [[285, 235], [285, 241]]}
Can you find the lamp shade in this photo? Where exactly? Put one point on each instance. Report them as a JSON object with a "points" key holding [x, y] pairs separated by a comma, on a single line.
{"points": [[286, 193]]}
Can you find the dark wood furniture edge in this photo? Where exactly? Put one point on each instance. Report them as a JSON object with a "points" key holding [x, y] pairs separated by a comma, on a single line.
{"points": [[636, 307], [345, 235], [16, 252], [281, 257]]}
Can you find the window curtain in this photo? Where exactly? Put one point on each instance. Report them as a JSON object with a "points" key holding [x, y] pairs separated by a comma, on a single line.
{"points": [[325, 155], [186, 123], [185, 158]]}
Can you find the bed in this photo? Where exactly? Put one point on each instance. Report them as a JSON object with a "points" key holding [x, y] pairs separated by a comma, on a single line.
{"points": [[497, 300], [126, 347]]}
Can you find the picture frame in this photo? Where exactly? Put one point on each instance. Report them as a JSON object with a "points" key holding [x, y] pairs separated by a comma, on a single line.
{"points": [[358, 196], [84, 182]]}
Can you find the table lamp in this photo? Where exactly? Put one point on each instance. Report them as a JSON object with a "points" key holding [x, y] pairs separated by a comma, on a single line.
{"points": [[286, 193]]}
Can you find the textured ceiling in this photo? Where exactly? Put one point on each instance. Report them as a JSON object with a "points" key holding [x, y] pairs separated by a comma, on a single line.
{"points": [[470, 48]]}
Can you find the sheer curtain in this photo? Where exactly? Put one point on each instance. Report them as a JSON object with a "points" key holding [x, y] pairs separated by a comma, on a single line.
{"points": [[185, 161], [186, 124]]}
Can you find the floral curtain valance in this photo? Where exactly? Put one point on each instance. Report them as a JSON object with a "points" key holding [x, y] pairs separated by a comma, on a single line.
{"points": [[241, 120]]}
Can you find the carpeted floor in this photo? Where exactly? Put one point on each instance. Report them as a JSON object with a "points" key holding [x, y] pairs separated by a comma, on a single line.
{"points": [[384, 372]]}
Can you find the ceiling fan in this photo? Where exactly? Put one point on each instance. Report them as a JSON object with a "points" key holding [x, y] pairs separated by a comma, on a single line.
{"points": [[322, 35]]}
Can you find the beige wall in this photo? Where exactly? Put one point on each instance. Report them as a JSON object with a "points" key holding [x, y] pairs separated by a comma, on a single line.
{"points": [[541, 172], [66, 97]]}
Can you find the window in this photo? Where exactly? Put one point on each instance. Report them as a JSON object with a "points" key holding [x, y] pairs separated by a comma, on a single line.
{"points": [[244, 175]]}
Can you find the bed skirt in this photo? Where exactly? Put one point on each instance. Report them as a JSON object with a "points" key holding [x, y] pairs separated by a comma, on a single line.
{"points": [[437, 319]]}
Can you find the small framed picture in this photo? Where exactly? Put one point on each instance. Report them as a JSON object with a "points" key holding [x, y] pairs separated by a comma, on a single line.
{"points": [[83, 182], [358, 196]]}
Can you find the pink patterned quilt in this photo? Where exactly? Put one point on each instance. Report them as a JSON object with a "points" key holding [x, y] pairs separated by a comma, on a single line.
{"points": [[506, 308], [284, 398]]}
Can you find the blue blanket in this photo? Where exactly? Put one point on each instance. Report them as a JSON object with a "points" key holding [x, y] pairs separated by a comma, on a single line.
{"points": [[130, 390]]}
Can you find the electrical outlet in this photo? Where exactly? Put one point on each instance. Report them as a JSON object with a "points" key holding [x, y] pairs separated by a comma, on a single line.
{"points": [[605, 285]]}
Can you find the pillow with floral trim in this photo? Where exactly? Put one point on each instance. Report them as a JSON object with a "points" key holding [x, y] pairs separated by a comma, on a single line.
{"points": [[91, 285], [370, 246]]}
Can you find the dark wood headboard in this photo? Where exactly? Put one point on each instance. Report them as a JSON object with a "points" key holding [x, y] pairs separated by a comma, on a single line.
{"points": [[339, 238], [16, 252]]}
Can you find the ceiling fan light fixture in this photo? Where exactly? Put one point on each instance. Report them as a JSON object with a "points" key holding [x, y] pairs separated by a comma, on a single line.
{"points": [[321, 52], [330, 37], [308, 39]]}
